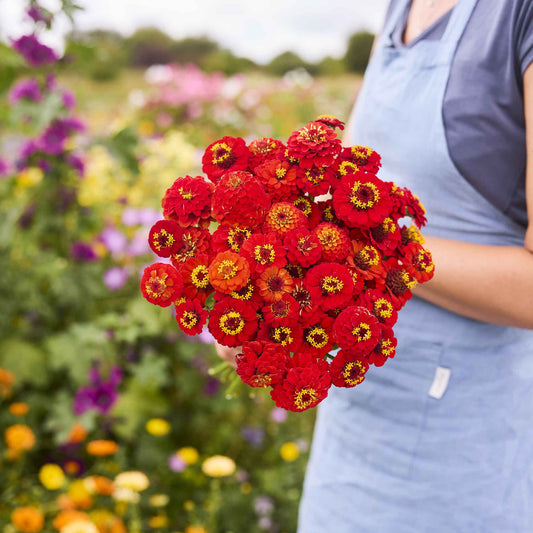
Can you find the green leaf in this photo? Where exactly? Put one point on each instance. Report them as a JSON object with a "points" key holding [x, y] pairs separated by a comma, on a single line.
{"points": [[25, 360]]}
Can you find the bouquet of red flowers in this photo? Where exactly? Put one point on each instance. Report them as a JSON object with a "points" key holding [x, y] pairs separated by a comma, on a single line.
{"points": [[289, 251]]}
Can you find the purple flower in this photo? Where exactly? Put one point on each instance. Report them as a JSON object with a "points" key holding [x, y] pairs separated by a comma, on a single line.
{"points": [[148, 216], [38, 15], [100, 394], [176, 463], [53, 139], [211, 387], [253, 435], [26, 89], [138, 245], [263, 505], [278, 415], [265, 523], [34, 52], [83, 401], [130, 217], [77, 163], [115, 278], [69, 100], [5, 168], [114, 240], [81, 251]]}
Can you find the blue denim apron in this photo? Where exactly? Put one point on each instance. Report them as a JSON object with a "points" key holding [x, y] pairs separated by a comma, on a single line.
{"points": [[439, 439]]}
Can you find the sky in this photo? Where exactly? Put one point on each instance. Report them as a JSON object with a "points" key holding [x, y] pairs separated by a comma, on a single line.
{"points": [[258, 30]]}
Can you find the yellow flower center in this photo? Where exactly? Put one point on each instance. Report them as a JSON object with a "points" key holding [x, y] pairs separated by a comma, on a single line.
{"points": [[282, 335], [227, 269], [189, 319], [200, 276], [221, 152], [231, 323], [186, 195], [264, 254], [353, 372], [305, 397], [362, 332], [364, 195], [332, 285], [281, 172], [317, 337], [383, 308]]}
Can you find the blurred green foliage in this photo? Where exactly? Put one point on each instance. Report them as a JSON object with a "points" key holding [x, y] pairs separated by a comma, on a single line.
{"points": [[358, 51]]}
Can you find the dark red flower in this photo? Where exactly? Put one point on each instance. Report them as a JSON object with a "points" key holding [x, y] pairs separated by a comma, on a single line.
{"points": [[310, 209], [314, 144], [331, 121], [232, 322], [164, 238], [240, 200], [282, 311], [188, 201], [228, 153], [397, 282], [386, 236], [264, 149], [191, 317], [362, 200], [288, 335], [308, 306], [328, 212], [192, 242], [380, 305], [303, 247], [385, 348], [227, 238], [262, 364], [329, 284], [335, 242], [305, 385], [315, 180], [161, 284], [357, 330], [348, 370], [365, 158], [318, 336], [263, 251]]}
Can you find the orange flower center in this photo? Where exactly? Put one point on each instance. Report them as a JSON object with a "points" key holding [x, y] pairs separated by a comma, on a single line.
{"points": [[227, 269], [156, 285], [261, 380]]}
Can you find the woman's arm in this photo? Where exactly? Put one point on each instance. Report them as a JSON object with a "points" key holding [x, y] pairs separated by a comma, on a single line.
{"points": [[488, 283]]}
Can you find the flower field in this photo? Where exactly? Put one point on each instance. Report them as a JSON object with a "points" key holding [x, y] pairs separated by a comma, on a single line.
{"points": [[111, 419]]}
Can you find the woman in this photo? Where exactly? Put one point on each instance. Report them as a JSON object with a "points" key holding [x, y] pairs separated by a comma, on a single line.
{"points": [[440, 439]]}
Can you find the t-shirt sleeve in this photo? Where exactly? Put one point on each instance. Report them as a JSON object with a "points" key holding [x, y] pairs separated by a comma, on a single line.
{"points": [[524, 35]]}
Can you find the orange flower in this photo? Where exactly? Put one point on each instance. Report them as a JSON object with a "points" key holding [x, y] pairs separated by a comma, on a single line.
{"points": [[78, 433], [102, 447], [67, 516], [19, 408], [28, 519], [273, 283], [7, 379], [19, 437], [229, 272], [283, 217], [100, 485]]}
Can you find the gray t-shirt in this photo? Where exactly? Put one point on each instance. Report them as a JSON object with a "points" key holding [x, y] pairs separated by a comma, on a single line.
{"points": [[483, 108]]}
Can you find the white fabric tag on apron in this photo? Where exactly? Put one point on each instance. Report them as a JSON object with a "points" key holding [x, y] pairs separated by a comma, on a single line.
{"points": [[440, 382]]}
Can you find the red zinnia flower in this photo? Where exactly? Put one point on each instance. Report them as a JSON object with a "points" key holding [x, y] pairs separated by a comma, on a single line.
{"points": [[263, 251], [345, 167], [191, 317], [362, 200], [164, 237], [411, 234], [365, 158], [334, 240], [264, 149], [228, 153], [366, 259], [303, 247], [188, 201], [357, 330], [308, 305], [407, 204], [261, 364], [385, 348], [348, 370], [315, 180], [227, 238], [281, 311], [278, 179], [386, 236], [419, 262], [305, 385], [380, 305], [283, 217], [330, 284], [314, 144], [288, 335], [228, 272], [192, 242], [397, 282], [318, 336], [310, 209], [249, 293], [240, 200], [273, 283], [195, 274], [328, 212], [331, 121], [232, 322], [161, 284]]}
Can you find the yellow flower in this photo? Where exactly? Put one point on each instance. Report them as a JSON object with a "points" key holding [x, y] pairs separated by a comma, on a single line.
{"points": [[133, 480], [188, 455], [79, 494], [189, 505], [19, 437], [51, 476], [79, 526], [125, 494], [157, 427], [158, 500], [146, 128], [19, 408], [29, 177], [158, 521], [218, 466], [289, 451], [28, 519], [195, 529]]}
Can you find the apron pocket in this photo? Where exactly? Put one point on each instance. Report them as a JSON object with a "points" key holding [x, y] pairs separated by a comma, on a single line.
{"points": [[386, 413]]}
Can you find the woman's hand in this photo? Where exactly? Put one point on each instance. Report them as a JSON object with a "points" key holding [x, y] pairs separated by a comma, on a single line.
{"points": [[228, 354]]}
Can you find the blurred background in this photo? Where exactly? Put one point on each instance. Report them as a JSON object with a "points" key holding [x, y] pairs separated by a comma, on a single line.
{"points": [[110, 419]]}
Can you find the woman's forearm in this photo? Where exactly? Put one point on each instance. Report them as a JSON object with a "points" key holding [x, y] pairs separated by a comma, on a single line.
{"points": [[489, 283]]}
